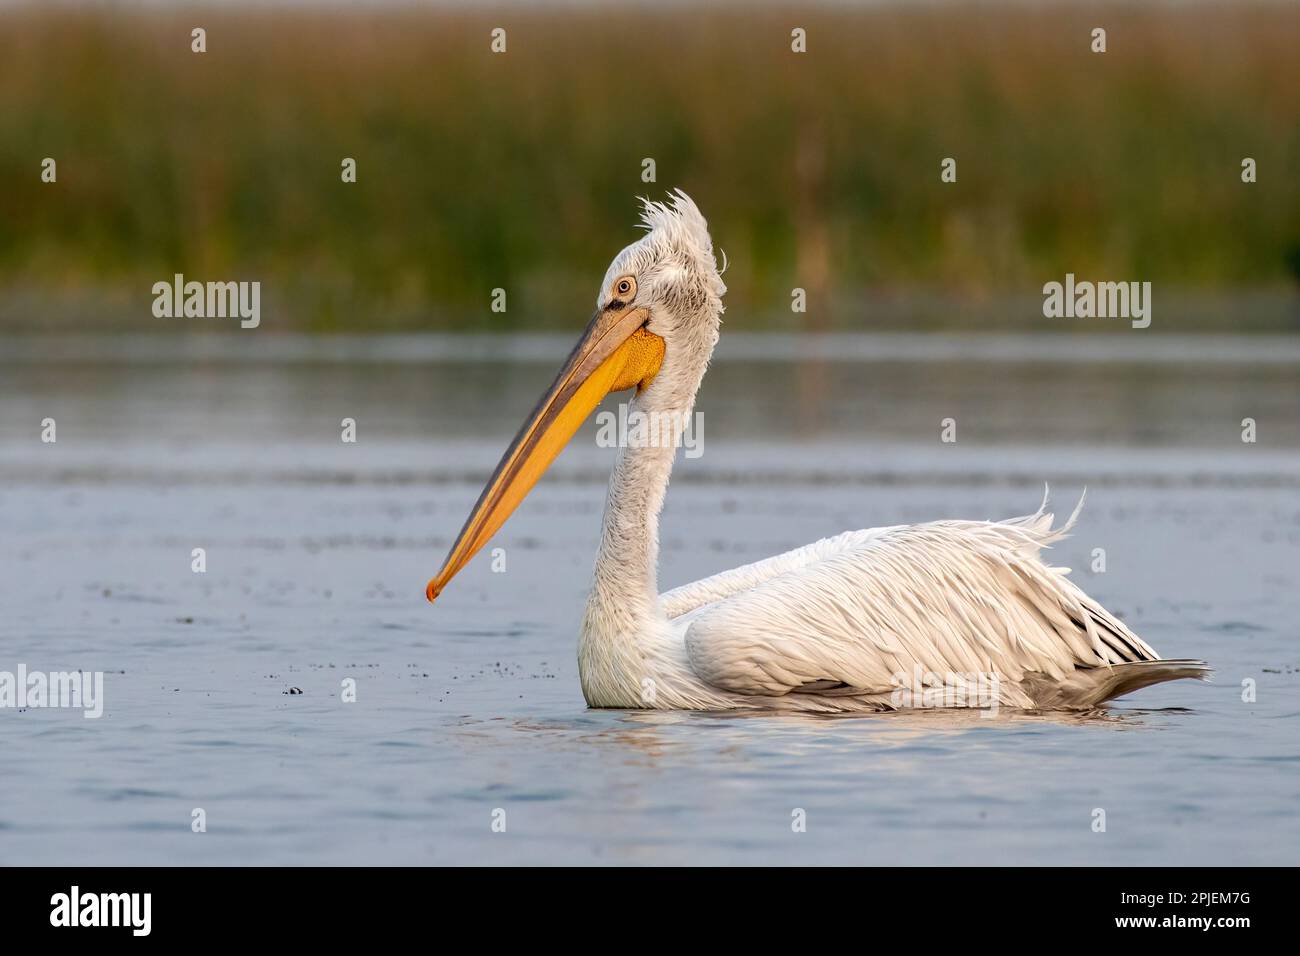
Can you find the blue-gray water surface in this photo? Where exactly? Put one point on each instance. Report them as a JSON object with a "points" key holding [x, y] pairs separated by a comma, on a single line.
{"points": [[317, 552]]}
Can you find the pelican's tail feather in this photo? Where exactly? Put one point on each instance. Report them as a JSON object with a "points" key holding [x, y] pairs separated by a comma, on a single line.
{"points": [[1091, 687]]}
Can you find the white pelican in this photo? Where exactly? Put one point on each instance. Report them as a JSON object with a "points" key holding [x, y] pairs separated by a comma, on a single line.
{"points": [[840, 625]]}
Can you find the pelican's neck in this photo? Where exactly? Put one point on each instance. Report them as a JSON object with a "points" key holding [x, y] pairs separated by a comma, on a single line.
{"points": [[626, 586], [629, 653]]}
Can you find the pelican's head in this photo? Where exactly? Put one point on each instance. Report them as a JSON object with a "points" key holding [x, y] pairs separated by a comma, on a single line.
{"points": [[656, 322], [672, 275]]}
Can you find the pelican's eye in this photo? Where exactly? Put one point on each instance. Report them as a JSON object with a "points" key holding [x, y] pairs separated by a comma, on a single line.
{"points": [[625, 288]]}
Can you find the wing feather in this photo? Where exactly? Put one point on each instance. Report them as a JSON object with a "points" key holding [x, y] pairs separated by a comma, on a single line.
{"points": [[853, 612]]}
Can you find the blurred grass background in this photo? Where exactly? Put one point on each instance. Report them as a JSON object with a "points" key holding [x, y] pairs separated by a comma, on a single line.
{"points": [[819, 170]]}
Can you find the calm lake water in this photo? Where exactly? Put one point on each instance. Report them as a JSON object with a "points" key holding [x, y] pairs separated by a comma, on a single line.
{"points": [[318, 551]]}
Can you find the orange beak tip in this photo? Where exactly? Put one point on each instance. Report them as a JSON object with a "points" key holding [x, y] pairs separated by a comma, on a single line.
{"points": [[432, 590]]}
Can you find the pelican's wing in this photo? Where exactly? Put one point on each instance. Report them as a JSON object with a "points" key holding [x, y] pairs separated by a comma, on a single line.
{"points": [[690, 597], [946, 597]]}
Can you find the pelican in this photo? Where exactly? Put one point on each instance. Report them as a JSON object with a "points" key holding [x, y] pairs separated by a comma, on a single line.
{"points": [[838, 626]]}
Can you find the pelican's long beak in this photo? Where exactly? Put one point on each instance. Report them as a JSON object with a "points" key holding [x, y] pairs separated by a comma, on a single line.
{"points": [[616, 352]]}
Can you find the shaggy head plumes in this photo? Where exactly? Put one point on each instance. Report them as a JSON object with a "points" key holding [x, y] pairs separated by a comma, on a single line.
{"points": [[676, 275]]}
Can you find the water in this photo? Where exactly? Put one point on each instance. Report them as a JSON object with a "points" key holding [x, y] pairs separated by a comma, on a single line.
{"points": [[317, 554]]}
